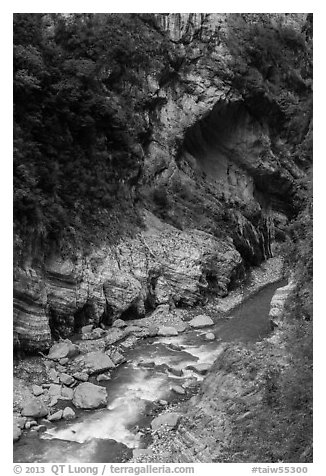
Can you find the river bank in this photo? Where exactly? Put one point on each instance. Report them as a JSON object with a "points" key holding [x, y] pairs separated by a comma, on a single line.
{"points": [[154, 364]]}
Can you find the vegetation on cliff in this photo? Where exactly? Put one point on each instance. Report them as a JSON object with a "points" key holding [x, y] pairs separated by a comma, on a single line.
{"points": [[79, 122]]}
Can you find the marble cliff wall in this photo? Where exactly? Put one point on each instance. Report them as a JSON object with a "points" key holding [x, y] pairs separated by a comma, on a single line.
{"points": [[209, 163]]}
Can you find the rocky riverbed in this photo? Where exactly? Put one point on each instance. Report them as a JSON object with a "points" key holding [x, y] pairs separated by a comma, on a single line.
{"points": [[102, 387]]}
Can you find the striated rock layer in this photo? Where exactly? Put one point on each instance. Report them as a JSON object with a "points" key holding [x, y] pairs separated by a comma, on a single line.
{"points": [[161, 265]]}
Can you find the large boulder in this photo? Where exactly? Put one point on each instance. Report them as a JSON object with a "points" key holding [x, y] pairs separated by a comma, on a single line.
{"points": [[68, 414], [63, 349], [201, 321], [34, 408], [88, 396], [96, 362], [167, 421]]}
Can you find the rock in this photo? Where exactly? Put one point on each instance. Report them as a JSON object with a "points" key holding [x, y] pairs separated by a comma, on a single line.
{"points": [[97, 333], [97, 362], [119, 323], [54, 401], [201, 321], [278, 304], [56, 416], [139, 452], [53, 375], [163, 402], [175, 371], [29, 424], [88, 396], [64, 361], [167, 331], [66, 379], [34, 408], [30, 321], [55, 390], [178, 389], [122, 291], [61, 369], [37, 390], [68, 414], [82, 376], [167, 420], [181, 326], [210, 336], [103, 377], [116, 357], [200, 368], [20, 421], [87, 329], [63, 349], [16, 432], [67, 393], [134, 329]]}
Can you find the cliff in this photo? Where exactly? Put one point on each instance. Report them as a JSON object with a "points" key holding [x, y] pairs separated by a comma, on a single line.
{"points": [[179, 172]]}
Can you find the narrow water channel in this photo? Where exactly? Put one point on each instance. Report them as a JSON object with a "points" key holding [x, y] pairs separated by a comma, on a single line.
{"points": [[110, 434]]}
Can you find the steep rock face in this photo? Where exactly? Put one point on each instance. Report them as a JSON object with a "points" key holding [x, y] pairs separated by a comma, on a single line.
{"points": [[211, 171], [213, 159], [162, 265]]}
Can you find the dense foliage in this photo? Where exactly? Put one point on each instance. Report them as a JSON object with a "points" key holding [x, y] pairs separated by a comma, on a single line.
{"points": [[79, 122]]}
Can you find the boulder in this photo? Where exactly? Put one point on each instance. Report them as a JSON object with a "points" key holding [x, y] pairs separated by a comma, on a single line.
{"points": [[67, 393], [97, 333], [68, 414], [167, 420], [20, 421], [116, 357], [88, 396], [30, 424], [54, 390], [56, 416], [201, 321], [34, 408], [37, 390], [179, 390], [97, 362], [210, 336], [82, 376], [200, 368], [87, 329], [62, 350], [66, 379], [119, 323], [53, 375], [54, 401], [16, 432], [103, 377], [64, 361], [167, 331]]}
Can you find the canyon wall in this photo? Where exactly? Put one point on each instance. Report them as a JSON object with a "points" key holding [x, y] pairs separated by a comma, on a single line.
{"points": [[217, 182]]}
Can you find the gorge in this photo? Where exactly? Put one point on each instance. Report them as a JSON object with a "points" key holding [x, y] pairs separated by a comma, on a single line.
{"points": [[162, 171]]}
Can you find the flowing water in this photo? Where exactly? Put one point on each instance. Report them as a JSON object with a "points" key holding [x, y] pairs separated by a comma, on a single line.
{"points": [[110, 434]]}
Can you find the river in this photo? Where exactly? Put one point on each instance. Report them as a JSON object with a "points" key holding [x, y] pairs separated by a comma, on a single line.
{"points": [[110, 434]]}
